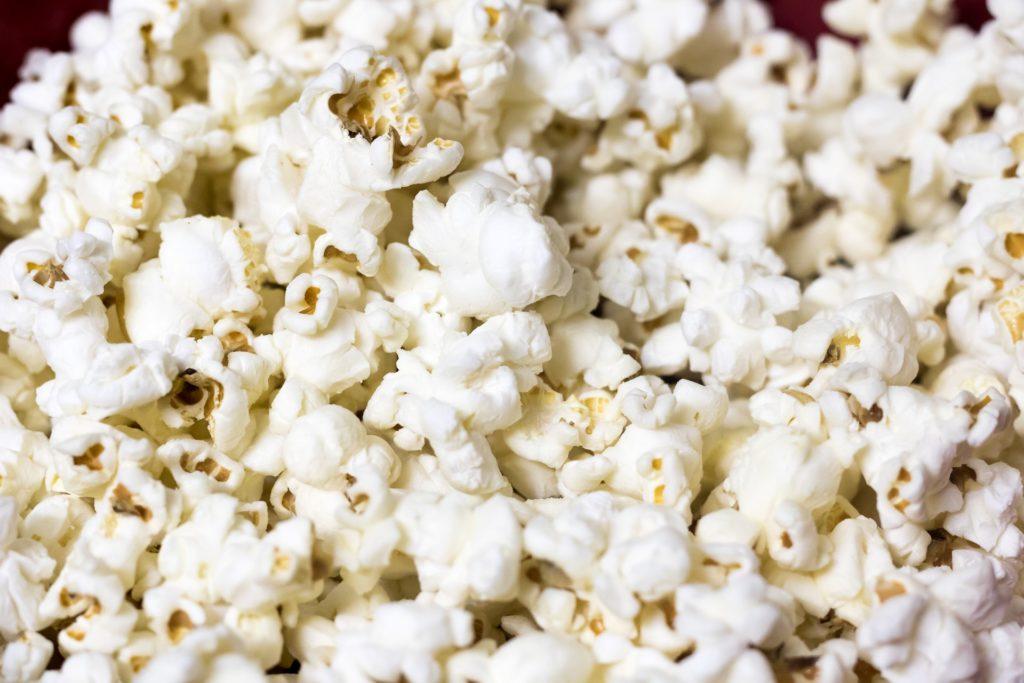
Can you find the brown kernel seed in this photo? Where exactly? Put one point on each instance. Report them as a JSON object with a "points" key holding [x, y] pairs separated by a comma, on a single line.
{"points": [[684, 231], [386, 77], [310, 298], [123, 503], [179, 625], [1014, 244], [798, 395], [887, 589], [836, 351], [449, 85], [47, 274], [90, 458]]}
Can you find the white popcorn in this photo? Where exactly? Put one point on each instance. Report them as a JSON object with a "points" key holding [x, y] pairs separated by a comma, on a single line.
{"points": [[223, 254], [926, 621], [549, 428], [659, 131], [198, 470], [874, 331], [357, 121], [588, 348], [207, 393], [79, 134], [269, 571], [623, 556], [320, 443], [64, 276], [515, 257], [87, 454], [84, 667], [482, 563], [22, 458], [912, 482], [859, 557], [189, 551], [990, 510], [22, 175], [785, 511], [123, 376], [23, 660], [645, 31], [540, 657], [472, 391], [491, 341], [400, 639], [646, 278], [657, 465], [763, 621], [976, 157], [597, 85], [211, 653], [24, 564]]}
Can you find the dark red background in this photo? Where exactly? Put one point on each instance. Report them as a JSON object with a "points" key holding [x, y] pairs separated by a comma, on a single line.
{"points": [[45, 23]]}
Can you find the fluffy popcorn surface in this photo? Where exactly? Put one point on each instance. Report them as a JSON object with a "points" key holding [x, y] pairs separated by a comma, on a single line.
{"points": [[494, 341], [493, 252], [660, 131]]}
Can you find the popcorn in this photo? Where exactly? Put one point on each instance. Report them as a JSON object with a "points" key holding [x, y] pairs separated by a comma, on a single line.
{"points": [[660, 131], [83, 666], [657, 465], [24, 565], [723, 189], [23, 175], [859, 558], [482, 563], [903, 636], [65, 276], [343, 126], [990, 510], [24, 659], [636, 35], [87, 454], [477, 220], [588, 348], [275, 570], [482, 340], [874, 331], [22, 458], [913, 486], [212, 653], [729, 320], [401, 639], [320, 443], [541, 657], [645, 278], [786, 512], [473, 391], [226, 288]]}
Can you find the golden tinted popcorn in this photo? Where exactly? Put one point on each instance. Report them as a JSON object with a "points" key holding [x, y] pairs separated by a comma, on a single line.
{"points": [[495, 341]]}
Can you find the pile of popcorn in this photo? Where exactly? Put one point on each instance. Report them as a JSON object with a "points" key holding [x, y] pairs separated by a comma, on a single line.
{"points": [[493, 341]]}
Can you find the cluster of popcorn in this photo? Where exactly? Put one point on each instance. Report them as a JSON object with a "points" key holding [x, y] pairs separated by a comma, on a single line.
{"points": [[497, 341]]}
